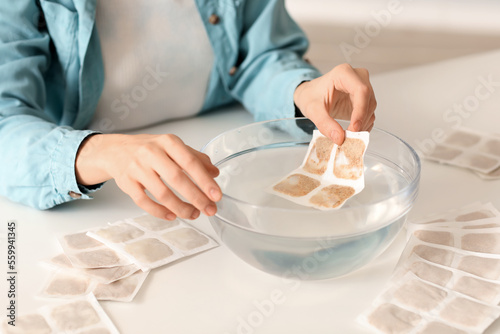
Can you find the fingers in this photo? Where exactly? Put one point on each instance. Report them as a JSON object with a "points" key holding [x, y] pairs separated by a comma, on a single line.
{"points": [[356, 83], [205, 159], [370, 115], [176, 178], [344, 93], [196, 168], [163, 167], [328, 126], [369, 123], [152, 181], [138, 195], [360, 96]]}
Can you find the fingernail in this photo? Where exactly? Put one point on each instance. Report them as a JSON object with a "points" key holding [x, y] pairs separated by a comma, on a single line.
{"points": [[170, 216], [214, 194], [195, 214], [211, 209], [357, 126]]}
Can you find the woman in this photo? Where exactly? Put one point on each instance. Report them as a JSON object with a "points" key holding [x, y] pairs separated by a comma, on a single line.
{"points": [[72, 70]]}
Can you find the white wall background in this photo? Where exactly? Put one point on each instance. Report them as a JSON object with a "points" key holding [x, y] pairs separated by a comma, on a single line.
{"points": [[471, 16]]}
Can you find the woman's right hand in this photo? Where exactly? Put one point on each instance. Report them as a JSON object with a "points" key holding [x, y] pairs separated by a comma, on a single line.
{"points": [[159, 164]]}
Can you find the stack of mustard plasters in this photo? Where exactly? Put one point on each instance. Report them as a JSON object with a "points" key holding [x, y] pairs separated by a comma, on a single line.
{"points": [[107, 263], [447, 279]]}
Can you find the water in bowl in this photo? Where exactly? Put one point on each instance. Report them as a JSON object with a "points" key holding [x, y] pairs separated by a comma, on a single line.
{"points": [[249, 175]]}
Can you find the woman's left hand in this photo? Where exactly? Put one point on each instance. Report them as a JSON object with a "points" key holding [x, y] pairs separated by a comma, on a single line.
{"points": [[343, 93]]}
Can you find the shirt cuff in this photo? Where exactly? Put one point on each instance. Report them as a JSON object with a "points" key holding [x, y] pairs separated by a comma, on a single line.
{"points": [[291, 110], [298, 113], [62, 167]]}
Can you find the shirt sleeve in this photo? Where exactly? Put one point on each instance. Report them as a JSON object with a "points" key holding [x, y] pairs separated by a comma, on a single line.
{"points": [[270, 64], [38, 156]]}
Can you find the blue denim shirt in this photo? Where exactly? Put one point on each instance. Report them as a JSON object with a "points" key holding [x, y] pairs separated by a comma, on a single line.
{"points": [[51, 77]]}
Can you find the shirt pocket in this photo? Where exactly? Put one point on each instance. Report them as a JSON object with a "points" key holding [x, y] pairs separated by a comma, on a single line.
{"points": [[62, 24]]}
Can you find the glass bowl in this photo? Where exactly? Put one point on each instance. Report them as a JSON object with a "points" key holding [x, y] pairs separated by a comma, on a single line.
{"points": [[289, 240]]}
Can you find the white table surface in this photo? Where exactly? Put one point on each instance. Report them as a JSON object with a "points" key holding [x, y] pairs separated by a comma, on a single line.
{"points": [[210, 292]]}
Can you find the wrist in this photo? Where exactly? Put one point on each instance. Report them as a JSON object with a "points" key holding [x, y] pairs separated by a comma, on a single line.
{"points": [[90, 162], [298, 96]]}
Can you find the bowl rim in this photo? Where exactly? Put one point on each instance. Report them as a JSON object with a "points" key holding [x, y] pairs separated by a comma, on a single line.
{"points": [[413, 184]]}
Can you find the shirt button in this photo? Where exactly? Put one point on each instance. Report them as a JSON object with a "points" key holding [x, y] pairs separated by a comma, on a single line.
{"points": [[233, 70], [72, 194], [213, 19]]}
